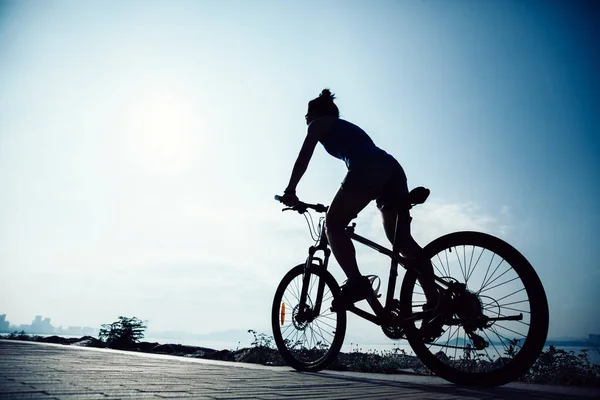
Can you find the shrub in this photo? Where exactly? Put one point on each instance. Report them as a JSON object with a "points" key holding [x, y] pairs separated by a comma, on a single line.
{"points": [[19, 336], [261, 340], [564, 368], [122, 334]]}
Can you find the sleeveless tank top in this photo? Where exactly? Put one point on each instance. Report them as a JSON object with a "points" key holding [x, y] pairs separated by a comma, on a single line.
{"points": [[350, 143]]}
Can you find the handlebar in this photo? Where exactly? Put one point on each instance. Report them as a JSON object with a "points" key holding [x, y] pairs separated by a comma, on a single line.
{"points": [[302, 207]]}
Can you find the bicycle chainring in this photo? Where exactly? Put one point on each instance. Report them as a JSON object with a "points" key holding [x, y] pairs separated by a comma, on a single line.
{"points": [[394, 332]]}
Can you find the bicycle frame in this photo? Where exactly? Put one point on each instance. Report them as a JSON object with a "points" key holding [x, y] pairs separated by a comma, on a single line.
{"points": [[380, 316]]}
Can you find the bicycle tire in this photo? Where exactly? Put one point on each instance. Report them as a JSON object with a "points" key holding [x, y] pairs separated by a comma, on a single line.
{"points": [[539, 314], [292, 356]]}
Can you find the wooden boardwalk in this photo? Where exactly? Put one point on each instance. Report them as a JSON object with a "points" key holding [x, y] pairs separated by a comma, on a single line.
{"points": [[30, 370]]}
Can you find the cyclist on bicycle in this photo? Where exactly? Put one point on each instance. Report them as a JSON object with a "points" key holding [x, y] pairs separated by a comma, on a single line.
{"points": [[372, 174]]}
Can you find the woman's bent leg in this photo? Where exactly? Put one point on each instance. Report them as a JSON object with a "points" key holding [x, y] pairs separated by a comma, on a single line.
{"points": [[345, 206], [407, 245]]}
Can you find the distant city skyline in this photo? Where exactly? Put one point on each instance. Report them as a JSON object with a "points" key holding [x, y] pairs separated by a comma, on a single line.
{"points": [[43, 325]]}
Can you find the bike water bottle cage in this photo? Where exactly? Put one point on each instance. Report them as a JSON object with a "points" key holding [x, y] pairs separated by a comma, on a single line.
{"points": [[372, 279]]}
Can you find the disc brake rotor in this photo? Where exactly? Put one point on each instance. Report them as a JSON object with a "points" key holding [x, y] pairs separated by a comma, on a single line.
{"points": [[302, 323]]}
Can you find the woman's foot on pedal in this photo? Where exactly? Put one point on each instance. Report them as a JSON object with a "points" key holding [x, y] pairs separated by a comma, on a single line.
{"points": [[353, 290]]}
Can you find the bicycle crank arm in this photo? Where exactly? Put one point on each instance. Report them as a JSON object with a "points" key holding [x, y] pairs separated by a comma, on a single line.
{"points": [[382, 319]]}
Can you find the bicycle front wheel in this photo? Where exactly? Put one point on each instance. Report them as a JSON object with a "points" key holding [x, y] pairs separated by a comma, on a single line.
{"points": [[308, 336], [493, 319]]}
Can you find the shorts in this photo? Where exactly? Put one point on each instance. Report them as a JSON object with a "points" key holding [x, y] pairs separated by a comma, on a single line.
{"points": [[384, 178]]}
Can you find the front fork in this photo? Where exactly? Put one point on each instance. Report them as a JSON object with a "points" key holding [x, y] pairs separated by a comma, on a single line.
{"points": [[305, 314]]}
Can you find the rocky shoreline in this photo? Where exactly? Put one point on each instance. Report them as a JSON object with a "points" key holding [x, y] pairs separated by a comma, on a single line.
{"points": [[355, 361]]}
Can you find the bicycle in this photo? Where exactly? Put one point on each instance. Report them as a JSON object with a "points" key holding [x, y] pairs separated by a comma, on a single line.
{"points": [[309, 335]]}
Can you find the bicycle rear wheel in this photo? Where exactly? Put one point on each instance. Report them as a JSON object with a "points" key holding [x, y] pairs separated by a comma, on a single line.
{"points": [[495, 316], [310, 336]]}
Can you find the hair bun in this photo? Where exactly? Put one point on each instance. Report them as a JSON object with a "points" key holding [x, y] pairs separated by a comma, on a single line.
{"points": [[326, 93]]}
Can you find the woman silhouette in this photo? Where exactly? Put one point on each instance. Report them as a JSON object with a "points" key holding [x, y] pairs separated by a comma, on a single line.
{"points": [[372, 174]]}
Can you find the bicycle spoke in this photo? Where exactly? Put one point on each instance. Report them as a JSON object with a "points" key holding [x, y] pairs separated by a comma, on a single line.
{"points": [[324, 323], [450, 335], [465, 262], [460, 265], [327, 316], [326, 298], [298, 335], [490, 340], [504, 337], [474, 265], [513, 293], [324, 333], [490, 359], [500, 337], [515, 302], [457, 338], [498, 277], [447, 263], [436, 267], [510, 330], [488, 269], [297, 283], [290, 303], [500, 284], [294, 293], [305, 341], [315, 336], [307, 338], [294, 333], [287, 327], [509, 308], [485, 283]]}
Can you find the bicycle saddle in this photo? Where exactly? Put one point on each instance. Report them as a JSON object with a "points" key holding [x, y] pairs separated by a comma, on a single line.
{"points": [[418, 195]]}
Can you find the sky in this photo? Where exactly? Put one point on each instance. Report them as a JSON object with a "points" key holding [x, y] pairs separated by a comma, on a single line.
{"points": [[141, 144]]}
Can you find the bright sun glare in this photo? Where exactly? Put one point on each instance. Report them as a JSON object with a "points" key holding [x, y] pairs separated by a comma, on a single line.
{"points": [[161, 132]]}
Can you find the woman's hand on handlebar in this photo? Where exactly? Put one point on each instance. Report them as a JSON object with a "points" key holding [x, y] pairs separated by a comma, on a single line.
{"points": [[289, 198]]}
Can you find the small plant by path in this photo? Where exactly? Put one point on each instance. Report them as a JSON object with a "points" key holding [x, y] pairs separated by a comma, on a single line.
{"points": [[123, 333]]}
